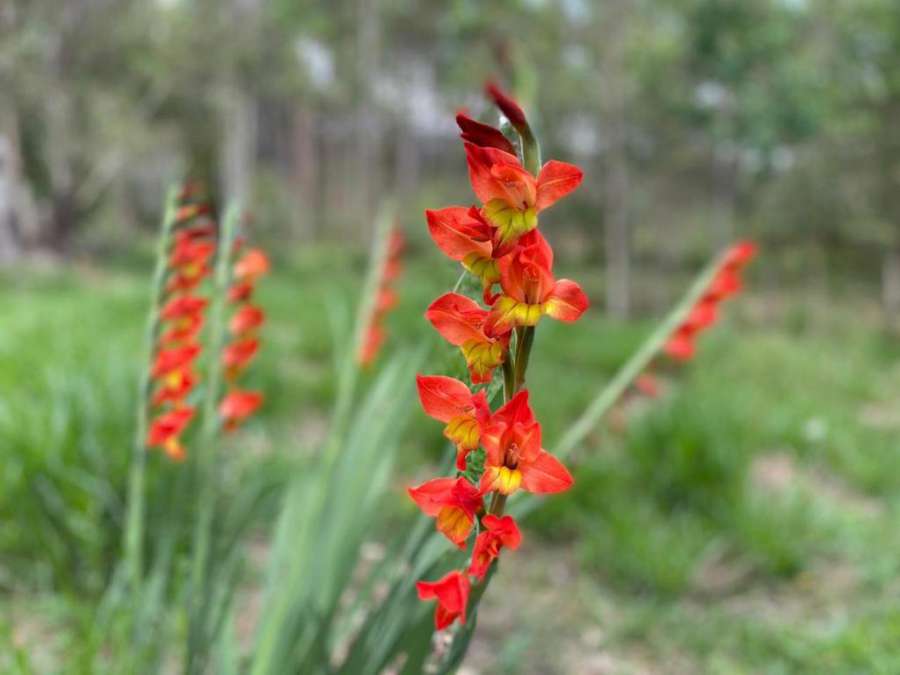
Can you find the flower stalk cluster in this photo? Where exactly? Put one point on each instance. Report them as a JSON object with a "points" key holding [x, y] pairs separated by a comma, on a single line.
{"points": [[385, 300], [726, 283], [243, 326], [498, 452], [179, 323]]}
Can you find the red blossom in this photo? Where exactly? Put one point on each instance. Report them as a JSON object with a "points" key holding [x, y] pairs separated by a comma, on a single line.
{"points": [[497, 533], [251, 266], [530, 291], [508, 106], [450, 401], [165, 430], [247, 319], [514, 457], [452, 595], [453, 502], [463, 323], [175, 358], [512, 196], [237, 406], [238, 354]]}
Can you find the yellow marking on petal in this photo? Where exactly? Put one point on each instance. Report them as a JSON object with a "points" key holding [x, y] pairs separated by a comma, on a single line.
{"points": [[453, 522], [511, 222], [464, 431], [484, 268], [515, 313], [504, 480]]}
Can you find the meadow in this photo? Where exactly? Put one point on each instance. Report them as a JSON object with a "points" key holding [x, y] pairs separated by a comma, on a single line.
{"points": [[742, 521]]}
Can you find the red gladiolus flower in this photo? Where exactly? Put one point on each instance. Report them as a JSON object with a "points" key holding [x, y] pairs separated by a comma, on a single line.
{"points": [[739, 255], [182, 306], [512, 197], [530, 290], [452, 594], [165, 430], [453, 502], [482, 135], [184, 329], [175, 386], [248, 318], [237, 406], [238, 354], [681, 345], [498, 533], [252, 265], [240, 292], [176, 358], [372, 341], [463, 235], [450, 401], [462, 322], [514, 456]]}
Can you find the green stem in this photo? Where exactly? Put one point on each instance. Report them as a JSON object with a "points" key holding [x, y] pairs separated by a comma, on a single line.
{"points": [[611, 393], [206, 448], [134, 527], [524, 341], [509, 377]]}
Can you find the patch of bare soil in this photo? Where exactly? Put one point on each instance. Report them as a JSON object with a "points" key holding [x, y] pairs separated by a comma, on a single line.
{"points": [[543, 616], [778, 472]]}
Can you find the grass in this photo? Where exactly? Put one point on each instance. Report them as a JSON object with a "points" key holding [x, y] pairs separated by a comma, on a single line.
{"points": [[744, 522]]}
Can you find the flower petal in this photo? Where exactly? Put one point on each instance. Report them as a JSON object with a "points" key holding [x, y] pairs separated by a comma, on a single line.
{"points": [[546, 475], [443, 398], [555, 181], [483, 135], [567, 302], [457, 318]]}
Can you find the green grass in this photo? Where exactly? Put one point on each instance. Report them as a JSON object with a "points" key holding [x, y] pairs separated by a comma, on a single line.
{"points": [[666, 502]]}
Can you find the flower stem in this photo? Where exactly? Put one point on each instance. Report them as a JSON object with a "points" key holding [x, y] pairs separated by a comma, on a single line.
{"points": [[205, 461], [524, 341], [134, 527]]}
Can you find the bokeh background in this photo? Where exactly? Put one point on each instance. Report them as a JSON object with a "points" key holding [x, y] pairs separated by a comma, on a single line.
{"points": [[745, 521]]}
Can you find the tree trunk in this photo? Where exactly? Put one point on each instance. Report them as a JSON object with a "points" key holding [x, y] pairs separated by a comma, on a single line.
{"points": [[890, 288], [304, 169], [617, 239], [239, 117]]}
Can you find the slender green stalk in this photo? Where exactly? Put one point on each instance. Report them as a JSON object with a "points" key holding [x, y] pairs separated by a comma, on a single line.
{"points": [[523, 352], [134, 527], [348, 374], [206, 446], [637, 363]]}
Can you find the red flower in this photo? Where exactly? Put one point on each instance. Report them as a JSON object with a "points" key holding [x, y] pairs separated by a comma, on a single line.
{"points": [[237, 406], [497, 533], [530, 290], [453, 502], [248, 318], [165, 430], [372, 341], [450, 401], [182, 306], [482, 135], [238, 354], [452, 594], [175, 386], [514, 456], [463, 235], [184, 329], [680, 345], [462, 322], [176, 358], [240, 292], [512, 197], [252, 265]]}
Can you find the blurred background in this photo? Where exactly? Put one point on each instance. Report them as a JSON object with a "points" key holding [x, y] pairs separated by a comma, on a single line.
{"points": [[742, 522]]}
